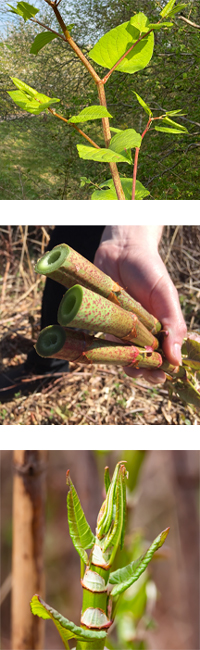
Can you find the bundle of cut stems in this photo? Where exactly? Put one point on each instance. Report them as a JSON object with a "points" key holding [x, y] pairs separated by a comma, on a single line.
{"points": [[55, 341], [68, 267]]}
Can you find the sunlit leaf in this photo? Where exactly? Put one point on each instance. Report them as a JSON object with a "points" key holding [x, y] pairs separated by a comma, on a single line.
{"points": [[24, 10], [125, 577], [167, 8], [117, 41], [125, 140], [29, 99], [90, 113], [100, 155]]}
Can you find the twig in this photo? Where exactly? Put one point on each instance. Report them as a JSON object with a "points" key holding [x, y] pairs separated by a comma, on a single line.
{"points": [[189, 22]]}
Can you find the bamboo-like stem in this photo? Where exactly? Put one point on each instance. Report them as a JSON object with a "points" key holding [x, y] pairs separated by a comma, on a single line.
{"points": [[101, 93], [79, 347], [64, 265], [107, 138], [28, 544], [85, 309]]}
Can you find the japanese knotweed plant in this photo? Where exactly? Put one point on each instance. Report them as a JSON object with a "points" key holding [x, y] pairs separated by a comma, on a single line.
{"points": [[101, 587], [127, 48]]}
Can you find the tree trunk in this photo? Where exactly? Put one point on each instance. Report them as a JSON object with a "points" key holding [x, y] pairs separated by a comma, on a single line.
{"points": [[28, 541]]}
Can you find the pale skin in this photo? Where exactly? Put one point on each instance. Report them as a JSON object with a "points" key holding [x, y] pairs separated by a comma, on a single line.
{"points": [[129, 254]]}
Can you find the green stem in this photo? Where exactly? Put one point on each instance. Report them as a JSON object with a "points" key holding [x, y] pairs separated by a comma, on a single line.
{"points": [[66, 266], [54, 341], [85, 309]]}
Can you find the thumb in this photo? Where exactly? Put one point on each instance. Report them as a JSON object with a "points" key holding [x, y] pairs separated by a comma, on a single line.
{"points": [[166, 307]]}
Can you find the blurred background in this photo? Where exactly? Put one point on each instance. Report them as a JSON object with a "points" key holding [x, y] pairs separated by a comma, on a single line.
{"points": [[161, 610]]}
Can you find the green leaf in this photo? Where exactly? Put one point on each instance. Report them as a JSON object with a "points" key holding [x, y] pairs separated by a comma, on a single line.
{"points": [[66, 628], [158, 26], [24, 10], [41, 40], [110, 194], [187, 392], [143, 104], [117, 41], [90, 113], [167, 8], [29, 99], [125, 577], [79, 530], [192, 345], [125, 140], [168, 130], [100, 155]]}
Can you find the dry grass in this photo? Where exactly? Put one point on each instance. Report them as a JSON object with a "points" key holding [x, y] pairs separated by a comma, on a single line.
{"points": [[101, 395]]}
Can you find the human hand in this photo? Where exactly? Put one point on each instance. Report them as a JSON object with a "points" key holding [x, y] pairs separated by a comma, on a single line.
{"points": [[129, 254]]}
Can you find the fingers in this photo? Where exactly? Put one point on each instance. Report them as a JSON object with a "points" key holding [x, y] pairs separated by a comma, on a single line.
{"points": [[156, 376], [166, 306]]}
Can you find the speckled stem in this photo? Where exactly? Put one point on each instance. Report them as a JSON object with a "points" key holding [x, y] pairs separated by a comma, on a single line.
{"points": [[55, 341], [84, 309], [68, 267]]}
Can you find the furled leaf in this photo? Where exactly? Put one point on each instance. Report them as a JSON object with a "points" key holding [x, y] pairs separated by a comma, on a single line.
{"points": [[80, 531], [90, 113], [125, 577], [66, 628], [110, 194], [174, 112], [173, 124], [166, 129], [100, 155], [143, 104], [107, 480], [117, 41], [41, 40], [24, 10], [167, 8]]}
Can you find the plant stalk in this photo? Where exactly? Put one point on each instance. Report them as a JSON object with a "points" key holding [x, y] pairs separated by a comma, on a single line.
{"points": [[102, 99], [79, 347], [85, 309]]}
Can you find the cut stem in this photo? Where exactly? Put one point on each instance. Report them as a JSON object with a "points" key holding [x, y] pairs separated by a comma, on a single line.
{"points": [[55, 341], [85, 309]]}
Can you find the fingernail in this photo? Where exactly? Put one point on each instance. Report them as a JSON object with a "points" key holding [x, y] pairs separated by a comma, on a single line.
{"points": [[177, 353]]}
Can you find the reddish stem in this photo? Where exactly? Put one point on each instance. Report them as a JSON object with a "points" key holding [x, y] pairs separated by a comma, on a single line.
{"points": [[137, 149]]}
